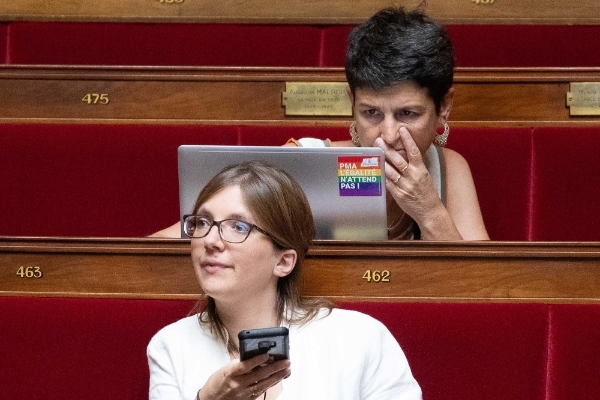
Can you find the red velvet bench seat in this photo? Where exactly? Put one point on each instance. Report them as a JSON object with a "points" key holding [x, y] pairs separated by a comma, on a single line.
{"points": [[75, 348]]}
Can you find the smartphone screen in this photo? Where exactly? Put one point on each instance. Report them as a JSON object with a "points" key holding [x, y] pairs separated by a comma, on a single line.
{"points": [[274, 341]]}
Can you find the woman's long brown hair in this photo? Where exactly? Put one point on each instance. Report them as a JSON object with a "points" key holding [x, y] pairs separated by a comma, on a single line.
{"points": [[280, 207]]}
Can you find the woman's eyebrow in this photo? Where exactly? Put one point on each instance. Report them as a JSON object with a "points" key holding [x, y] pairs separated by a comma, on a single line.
{"points": [[203, 211], [241, 217], [237, 216], [416, 107], [367, 105]]}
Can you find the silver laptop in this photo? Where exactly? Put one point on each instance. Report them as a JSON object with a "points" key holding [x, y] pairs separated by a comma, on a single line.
{"points": [[345, 186]]}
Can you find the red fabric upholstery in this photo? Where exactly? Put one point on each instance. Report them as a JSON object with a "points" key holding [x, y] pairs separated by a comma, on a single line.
{"points": [[335, 38], [60, 348], [500, 161], [470, 351], [53, 177], [163, 44], [565, 186], [281, 45], [57, 348], [494, 45], [547, 45], [575, 356], [94, 180], [3, 43]]}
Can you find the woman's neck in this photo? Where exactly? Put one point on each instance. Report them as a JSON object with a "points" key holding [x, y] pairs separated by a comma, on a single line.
{"points": [[251, 314]]}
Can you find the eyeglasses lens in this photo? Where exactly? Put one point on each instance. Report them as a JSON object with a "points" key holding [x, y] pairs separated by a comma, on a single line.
{"points": [[231, 230]]}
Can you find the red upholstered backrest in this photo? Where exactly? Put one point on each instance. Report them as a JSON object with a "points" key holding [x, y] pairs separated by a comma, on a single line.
{"points": [[500, 161], [565, 184], [335, 38], [104, 180], [470, 351], [58, 348], [94, 180], [494, 45], [3, 43], [164, 44], [523, 45], [68, 348], [45, 42], [575, 358]]}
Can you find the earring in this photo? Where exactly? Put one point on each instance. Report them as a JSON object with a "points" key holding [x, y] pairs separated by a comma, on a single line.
{"points": [[354, 134], [441, 140]]}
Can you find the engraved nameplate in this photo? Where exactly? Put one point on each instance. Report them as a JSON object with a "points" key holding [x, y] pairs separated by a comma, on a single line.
{"points": [[316, 98], [584, 98]]}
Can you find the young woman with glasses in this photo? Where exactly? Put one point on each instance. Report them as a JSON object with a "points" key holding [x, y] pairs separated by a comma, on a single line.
{"points": [[250, 232]]}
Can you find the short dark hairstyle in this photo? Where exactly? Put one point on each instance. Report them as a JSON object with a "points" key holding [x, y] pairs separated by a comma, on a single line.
{"points": [[395, 46]]}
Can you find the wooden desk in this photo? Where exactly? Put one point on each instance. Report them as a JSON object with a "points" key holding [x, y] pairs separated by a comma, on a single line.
{"points": [[252, 95], [300, 11], [418, 271]]}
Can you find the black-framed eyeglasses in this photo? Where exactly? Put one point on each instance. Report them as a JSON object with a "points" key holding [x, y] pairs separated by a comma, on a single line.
{"points": [[230, 230]]}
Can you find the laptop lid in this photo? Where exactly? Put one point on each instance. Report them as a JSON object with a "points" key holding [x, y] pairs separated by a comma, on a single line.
{"points": [[344, 185]]}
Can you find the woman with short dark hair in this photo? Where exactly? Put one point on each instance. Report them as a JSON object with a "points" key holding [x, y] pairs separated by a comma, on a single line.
{"points": [[399, 68]]}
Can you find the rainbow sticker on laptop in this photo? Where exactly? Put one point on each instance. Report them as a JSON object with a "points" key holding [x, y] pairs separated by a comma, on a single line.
{"points": [[359, 176]]}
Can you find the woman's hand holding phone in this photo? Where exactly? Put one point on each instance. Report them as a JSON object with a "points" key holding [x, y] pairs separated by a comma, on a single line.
{"points": [[245, 379]]}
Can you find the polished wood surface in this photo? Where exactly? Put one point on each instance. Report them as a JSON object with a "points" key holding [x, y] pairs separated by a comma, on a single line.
{"points": [[300, 11], [419, 271], [252, 95]]}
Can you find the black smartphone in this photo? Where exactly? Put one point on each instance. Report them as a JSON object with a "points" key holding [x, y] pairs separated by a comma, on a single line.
{"points": [[274, 341]]}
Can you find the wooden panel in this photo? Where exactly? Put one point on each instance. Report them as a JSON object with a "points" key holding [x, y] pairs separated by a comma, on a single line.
{"points": [[300, 11], [252, 95], [136, 100], [517, 96], [419, 271], [148, 94]]}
